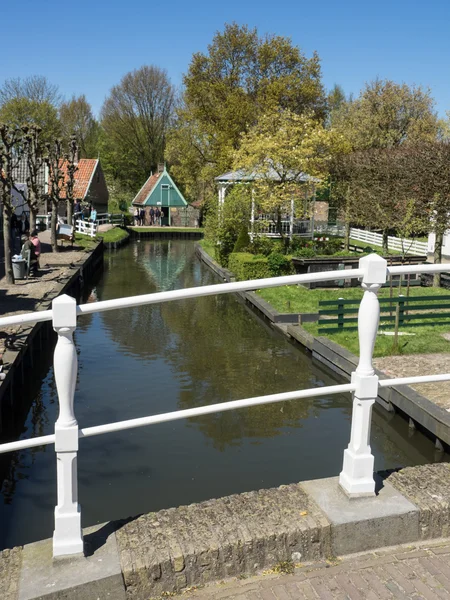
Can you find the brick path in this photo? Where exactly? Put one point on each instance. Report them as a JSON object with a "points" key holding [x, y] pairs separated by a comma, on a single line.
{"points": [[421, 571]]}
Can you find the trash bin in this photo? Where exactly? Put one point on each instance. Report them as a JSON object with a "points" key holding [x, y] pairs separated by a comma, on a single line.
{"points": [[19, 267]]}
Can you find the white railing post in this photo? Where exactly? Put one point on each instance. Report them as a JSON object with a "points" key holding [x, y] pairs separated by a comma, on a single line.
{"points": [[356, 478], [67, 537]]}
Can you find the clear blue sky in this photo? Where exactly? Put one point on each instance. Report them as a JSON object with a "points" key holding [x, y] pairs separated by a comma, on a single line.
{"points": [[97, 42]]}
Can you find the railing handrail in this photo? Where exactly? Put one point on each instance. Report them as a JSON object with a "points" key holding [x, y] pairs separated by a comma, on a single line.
{"points": [[211, 290], [356, 477]]}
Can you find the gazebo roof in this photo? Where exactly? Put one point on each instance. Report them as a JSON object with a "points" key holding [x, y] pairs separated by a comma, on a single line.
{"points": [[243, 176]]}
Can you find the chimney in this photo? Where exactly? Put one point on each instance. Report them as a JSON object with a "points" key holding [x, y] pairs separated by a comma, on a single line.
{"points": [[161, 167]]}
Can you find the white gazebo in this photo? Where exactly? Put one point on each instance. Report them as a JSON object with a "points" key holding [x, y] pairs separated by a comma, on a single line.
{"points": [[289, 226]]}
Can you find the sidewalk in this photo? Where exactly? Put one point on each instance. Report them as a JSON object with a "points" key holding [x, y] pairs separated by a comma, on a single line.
{"points": [[404, 572]]}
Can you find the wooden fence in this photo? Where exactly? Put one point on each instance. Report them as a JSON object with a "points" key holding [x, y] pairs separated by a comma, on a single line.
{"points": [[342, 315], [402, 245]]}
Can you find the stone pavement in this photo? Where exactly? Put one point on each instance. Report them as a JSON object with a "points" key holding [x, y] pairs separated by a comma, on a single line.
{"points": [[404, 572], [429, 364]]}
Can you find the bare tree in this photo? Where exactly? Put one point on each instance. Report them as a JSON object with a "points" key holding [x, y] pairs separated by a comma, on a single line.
{"points": [[71, 163], [136, 116], [33, 152], [36, 88], [54, 161], [77, 119], [10, 155]]}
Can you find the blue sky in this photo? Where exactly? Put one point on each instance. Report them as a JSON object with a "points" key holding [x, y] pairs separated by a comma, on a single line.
{"points": [[98, 42]]}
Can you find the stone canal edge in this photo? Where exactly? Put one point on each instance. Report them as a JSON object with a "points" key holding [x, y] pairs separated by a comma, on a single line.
{"points": [[180, 549]]}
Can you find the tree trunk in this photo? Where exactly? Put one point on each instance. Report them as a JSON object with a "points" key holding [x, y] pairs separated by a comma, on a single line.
{"points": [[385, 241], [347, 237], [53, 226], [33, 215], [9, 275], [69, 212], [438, 257]]}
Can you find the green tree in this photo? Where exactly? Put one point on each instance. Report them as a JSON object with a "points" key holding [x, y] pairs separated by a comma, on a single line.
{"points": [[278, 151], [135, 118], [20, 112], [387, 114], [242, 76], [77, 119]]}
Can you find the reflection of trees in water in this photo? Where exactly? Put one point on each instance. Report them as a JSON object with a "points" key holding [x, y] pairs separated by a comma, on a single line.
{"points": [[219, 350]]}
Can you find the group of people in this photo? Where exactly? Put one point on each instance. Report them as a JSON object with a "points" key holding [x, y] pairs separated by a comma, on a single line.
{"points": [[86, 213], [156, 216]]}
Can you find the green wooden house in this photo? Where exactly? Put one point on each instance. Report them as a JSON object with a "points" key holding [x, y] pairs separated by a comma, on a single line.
{"points": [[160, 191]]}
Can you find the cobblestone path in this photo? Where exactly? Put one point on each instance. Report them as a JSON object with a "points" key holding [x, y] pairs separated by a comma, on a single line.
{"points": [[421, 571]]}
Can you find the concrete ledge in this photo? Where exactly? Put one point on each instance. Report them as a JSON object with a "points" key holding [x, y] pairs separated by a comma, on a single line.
{"points": [[73, 578], [236, 535], [364, 524], [428, 487], [10, 567]]}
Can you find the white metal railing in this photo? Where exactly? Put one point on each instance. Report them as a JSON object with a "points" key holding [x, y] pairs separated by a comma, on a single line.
{"points": [[86, 227], [356, 477], [394, 243]]}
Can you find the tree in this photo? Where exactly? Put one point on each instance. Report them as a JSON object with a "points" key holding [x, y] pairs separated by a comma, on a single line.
{"points": [[336, 98], [54, 162], [36, 88], [241, 77], [278, 151], [387, 114], [77, 119], [33, 154], [71, 165], [20, 112], [135, 118], [10, 155]]}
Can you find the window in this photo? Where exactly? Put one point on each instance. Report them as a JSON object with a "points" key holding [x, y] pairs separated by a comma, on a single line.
{"points": [[165, 186]]}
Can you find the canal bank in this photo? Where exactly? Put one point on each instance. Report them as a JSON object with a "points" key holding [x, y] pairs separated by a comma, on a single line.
{"points": [[422, 412], [258, 533], [29, 348]]}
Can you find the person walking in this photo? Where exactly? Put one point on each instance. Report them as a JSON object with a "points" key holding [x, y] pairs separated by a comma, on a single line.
{"points": [[158, 216], [152, 216], [142, 216]]}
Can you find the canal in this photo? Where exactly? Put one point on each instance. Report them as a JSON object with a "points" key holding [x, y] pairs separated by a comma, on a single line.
{"points": [[160, 358]]}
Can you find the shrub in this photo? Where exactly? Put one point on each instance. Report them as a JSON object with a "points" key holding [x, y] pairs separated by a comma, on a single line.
{"points": [[306, 252], [279, 264], [248, 266], [243, 241], [261, 245]]}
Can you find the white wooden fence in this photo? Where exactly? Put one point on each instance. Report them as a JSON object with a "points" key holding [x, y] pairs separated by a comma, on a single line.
{"points": [[402, 245], [86, 227], [356, 477]]}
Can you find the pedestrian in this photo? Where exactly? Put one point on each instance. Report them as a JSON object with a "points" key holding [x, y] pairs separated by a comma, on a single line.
{"points": [[137, 219], [142, 216], [37, 245], [158, 216], [29, 247], [24, 225], [77, 209], [152, 216], [93, 215], [162, 216]]}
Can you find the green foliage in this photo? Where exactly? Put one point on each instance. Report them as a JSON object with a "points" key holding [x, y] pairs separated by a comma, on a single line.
{"points": [[248, 266], [242, 76], [279, 264], [264, 245], [23, 111], [77, 118], [243, 241]]}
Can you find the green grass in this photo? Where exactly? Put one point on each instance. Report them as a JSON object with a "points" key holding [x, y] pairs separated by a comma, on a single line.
{"points": [[169, 229], [298, 299], [426, 340], [208, 247], [85, 241], [113, 235]]}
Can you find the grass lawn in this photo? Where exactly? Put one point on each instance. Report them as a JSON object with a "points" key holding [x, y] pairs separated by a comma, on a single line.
{"points": [[208, 247], [112, 235], [169, 229]]}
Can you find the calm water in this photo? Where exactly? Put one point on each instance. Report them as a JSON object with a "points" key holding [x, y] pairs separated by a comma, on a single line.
{"points": [[153, 359]]}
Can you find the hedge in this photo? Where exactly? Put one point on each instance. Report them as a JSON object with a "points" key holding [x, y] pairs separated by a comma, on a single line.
{"points": [[248, 266]]}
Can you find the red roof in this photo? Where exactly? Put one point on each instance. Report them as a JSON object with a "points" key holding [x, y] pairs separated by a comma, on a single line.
{"points": [[83, 177], [145, 190]]}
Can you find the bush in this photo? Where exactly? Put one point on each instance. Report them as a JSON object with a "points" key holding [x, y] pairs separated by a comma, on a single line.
{"points": [[306, 252], [262, 245], [243, 241], [248, 266], [279, 264]]}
